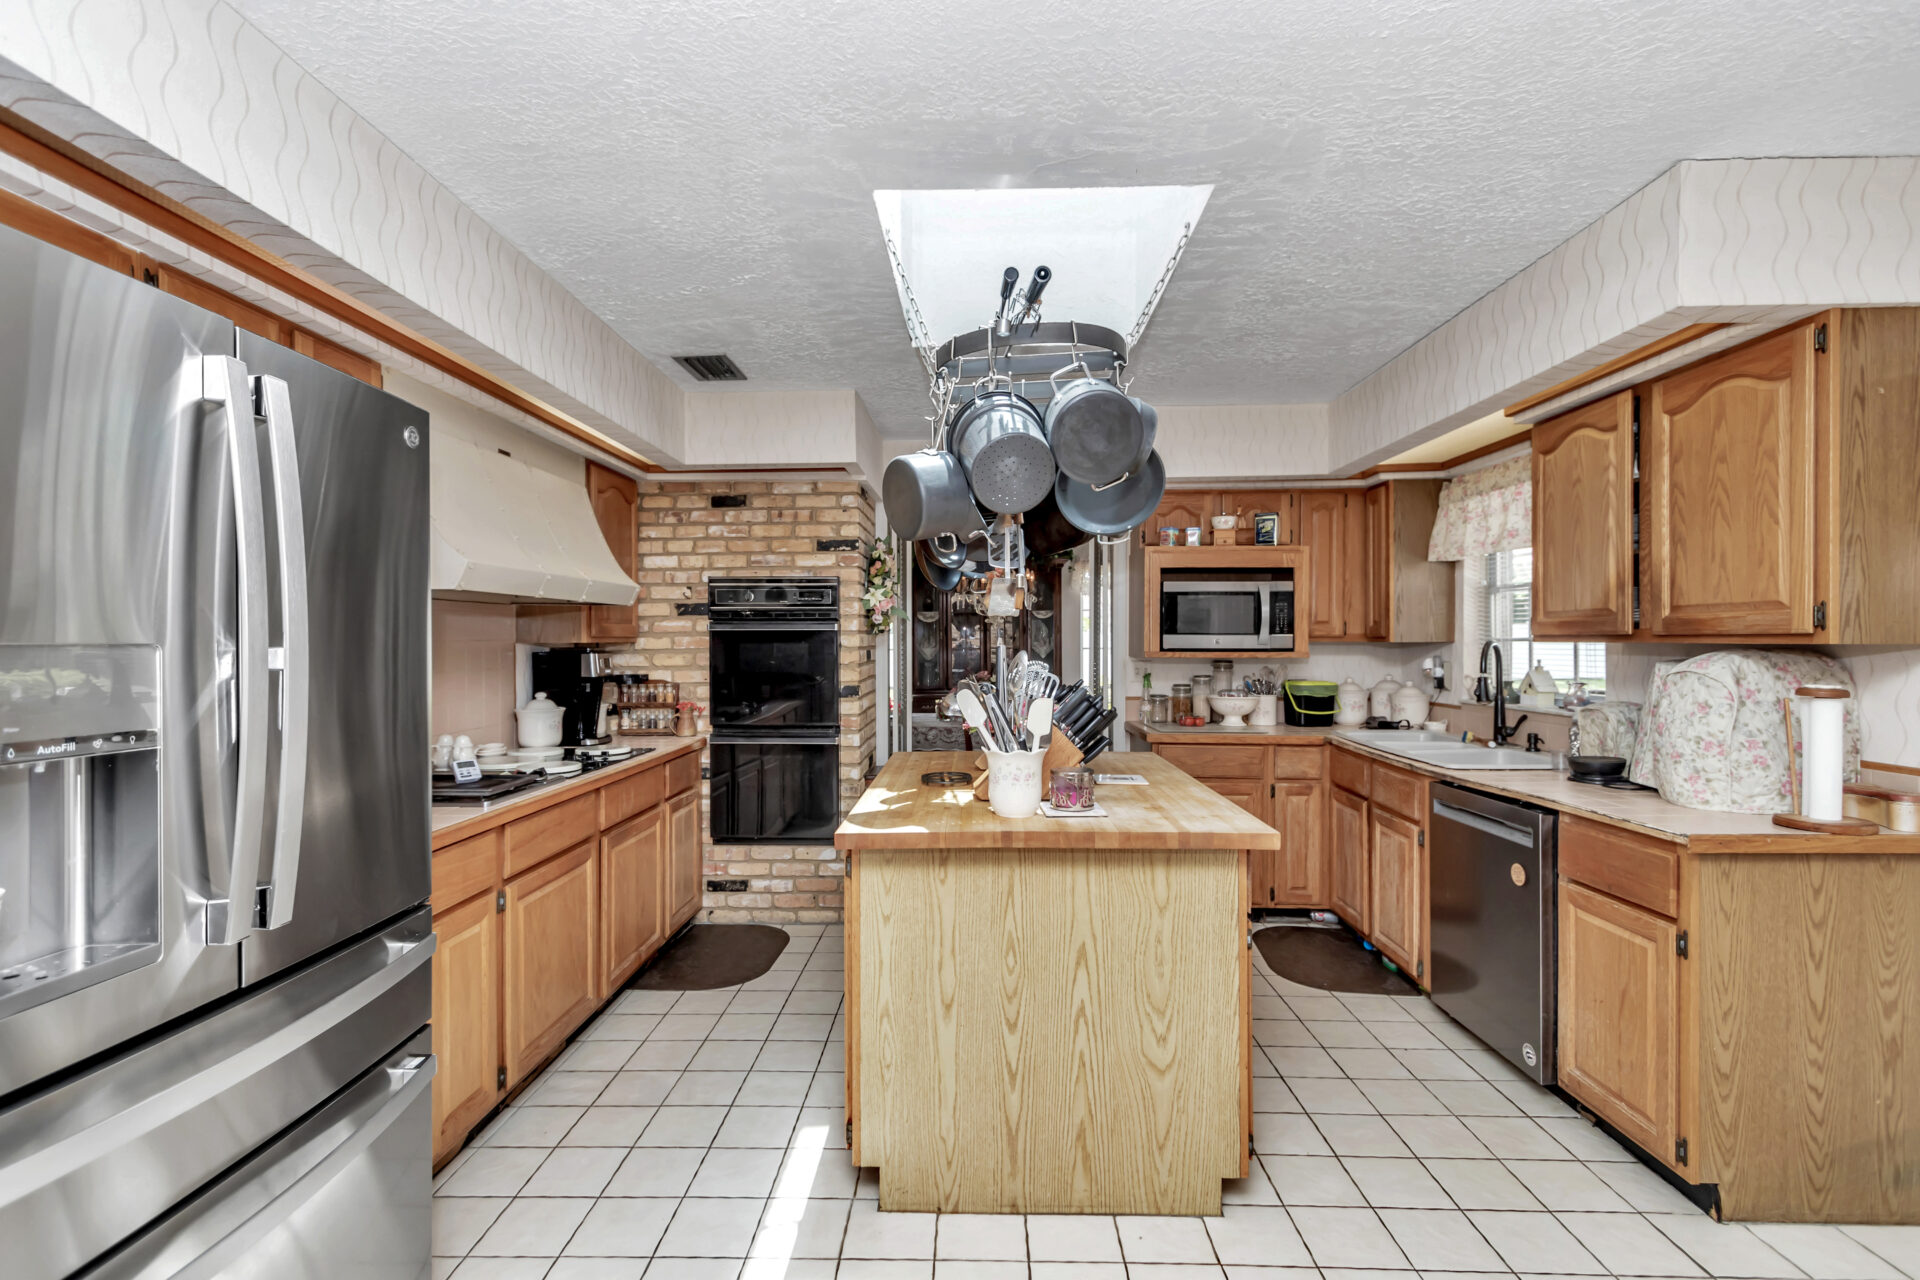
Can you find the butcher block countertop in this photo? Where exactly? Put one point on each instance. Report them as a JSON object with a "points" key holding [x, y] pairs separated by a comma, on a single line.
{"points": [[455, 822], [1172, 811]]}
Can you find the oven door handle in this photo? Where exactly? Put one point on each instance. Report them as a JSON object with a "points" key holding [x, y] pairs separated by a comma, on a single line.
{"points": [[720, 739], [722, 628]]}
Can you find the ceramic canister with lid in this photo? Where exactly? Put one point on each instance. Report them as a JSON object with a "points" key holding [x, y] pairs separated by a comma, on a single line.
{"points": [[1350, 703], [1410, 703], [1380, 698]]}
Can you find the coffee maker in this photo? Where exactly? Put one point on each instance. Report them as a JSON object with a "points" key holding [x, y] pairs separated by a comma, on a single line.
{"points": [[575, 677]]}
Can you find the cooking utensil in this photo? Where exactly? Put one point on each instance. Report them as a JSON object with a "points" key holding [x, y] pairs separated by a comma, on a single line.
{"points": [[1094, 428], [1149, 432], [926, 493], [1002, 444], [1040, 723], [976, 565], [1117, 508], [973, 712], [939, 576], [1596, 766]]}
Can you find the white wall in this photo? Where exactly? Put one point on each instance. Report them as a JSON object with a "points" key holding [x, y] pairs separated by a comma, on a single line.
{"points": [[447, 415]]}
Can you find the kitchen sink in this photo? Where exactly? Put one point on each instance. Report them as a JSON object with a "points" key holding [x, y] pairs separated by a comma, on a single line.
{"points": [[1446, 752]]}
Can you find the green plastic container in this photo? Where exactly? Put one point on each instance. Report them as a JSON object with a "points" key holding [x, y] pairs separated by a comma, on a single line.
{"points": [[1310, 702]]}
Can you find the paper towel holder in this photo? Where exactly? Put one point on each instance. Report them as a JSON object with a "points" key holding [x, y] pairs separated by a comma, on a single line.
{"points": [[1832, 826]]}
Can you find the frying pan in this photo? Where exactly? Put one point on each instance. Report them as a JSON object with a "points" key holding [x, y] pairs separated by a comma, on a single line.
{"points": [[1117, 508], [1596, 766], [939, 576], [1048, 532]]}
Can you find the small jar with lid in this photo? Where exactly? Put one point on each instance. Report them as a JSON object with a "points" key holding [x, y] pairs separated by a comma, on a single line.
{"points": [[1182, 700], [1223, 675], [1203, 697], [1070, 789], [1158, 708]]}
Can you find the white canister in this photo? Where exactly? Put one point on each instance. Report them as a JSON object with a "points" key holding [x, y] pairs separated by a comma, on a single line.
{"points": [[1013, 782], [1350, 703], [1380, 698], [1410, 703], [539, 722], [1266, 710]]}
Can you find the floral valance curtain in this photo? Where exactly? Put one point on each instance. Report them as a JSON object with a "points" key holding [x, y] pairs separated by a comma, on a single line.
{"points": [[1484, 512]]}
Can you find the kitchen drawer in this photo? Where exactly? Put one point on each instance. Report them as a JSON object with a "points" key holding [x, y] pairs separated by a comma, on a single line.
{"points": [[1350, 770], [1299, 762], [533, 840], [635, 793], [1216, 762], [1402, 792], [464, 869], [683, 774], [1624, 864]]}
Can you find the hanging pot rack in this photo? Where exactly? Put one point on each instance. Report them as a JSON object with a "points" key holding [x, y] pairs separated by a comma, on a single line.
{"points": [[1025, 359]]}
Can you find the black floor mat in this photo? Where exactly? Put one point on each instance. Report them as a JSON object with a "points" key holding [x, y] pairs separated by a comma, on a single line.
{"points": [[1331, 959], [707, 956]]}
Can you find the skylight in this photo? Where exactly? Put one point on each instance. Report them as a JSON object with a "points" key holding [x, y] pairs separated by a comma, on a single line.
{"points": [[1107, 246]]}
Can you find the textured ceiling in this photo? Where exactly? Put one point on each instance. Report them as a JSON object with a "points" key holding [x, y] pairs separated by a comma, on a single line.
{"points": [[700, 173]]}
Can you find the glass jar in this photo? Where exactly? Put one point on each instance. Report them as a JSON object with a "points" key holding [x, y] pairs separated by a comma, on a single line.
{"points": [[1223, 675], [1159, 709], [1071, 789], [1203, 697], [1182, 700]]}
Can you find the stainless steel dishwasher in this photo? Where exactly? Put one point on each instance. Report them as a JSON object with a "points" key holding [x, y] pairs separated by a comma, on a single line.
{"points": [[1491, 881]]}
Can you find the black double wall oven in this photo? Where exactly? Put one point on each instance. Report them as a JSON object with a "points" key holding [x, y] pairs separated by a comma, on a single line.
{"points": [[774, 658]]}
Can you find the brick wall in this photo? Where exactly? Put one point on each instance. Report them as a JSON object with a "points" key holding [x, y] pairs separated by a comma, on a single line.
{"points": [[784, 528]]}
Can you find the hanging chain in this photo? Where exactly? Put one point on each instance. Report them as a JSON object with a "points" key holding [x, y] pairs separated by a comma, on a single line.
{"points": [[1160, 286], [916, 323]]}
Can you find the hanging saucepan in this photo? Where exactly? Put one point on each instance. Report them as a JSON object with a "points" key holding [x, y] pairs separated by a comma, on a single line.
{"points": [[1048, 532], [926, 494], [941, 577], [977, 565], [1116, 508], [1003, 446], [1095, 430], [1149, 430]]}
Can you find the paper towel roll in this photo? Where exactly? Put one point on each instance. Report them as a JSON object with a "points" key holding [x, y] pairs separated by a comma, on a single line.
{"points": [[1822, 750]]}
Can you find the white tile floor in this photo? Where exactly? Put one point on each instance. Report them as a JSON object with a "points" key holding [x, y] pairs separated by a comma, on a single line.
{"points": [[701, 1135]]}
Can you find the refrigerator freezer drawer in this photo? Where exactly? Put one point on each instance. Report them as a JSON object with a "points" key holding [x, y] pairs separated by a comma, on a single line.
{"points": [[95, 1159], [346, 1193]]}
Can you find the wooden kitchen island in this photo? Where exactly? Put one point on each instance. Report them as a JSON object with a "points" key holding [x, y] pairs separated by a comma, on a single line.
{"points": [[1048, 1015]]}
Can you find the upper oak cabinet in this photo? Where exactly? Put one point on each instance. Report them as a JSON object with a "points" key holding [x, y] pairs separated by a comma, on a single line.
{"points": [[1324, 532], [1776, 494], [1727, 461], [1583, 520]]}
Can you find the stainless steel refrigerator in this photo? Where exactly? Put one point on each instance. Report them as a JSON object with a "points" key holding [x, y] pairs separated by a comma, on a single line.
{"points": [[214, 849]]}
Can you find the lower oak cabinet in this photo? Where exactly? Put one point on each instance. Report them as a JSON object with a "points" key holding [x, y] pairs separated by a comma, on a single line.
{"points": [[1619, 978], [1349, 893], [542, 919], [1284, 787], [1379, 856], [633, 917], [551, 983], [466, 1015]]}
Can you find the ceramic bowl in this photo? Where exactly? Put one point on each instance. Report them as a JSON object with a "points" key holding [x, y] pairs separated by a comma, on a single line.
{"points": [[1233, 708]]}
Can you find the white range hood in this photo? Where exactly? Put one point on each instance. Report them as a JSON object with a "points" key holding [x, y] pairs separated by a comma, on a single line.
{"points": [[503, 528]]}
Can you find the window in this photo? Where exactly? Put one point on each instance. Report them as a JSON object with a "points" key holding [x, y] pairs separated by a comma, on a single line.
{"points": [[1506, 614]]}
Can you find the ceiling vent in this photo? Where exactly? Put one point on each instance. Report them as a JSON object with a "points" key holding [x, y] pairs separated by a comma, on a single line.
{"points": [[711, 368]]}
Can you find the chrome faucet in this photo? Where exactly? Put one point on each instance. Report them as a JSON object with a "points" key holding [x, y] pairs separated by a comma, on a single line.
{"points": [[1502, 731]]}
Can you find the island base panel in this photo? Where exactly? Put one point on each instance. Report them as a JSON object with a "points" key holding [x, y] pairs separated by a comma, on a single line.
{"points": [[1049, 1031]]}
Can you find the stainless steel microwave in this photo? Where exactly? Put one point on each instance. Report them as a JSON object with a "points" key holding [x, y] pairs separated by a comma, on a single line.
{"points": [[1249, 614]]}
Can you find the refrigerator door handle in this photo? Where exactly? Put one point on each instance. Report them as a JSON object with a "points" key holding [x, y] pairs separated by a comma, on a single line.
{"points": [[225, 384], [290, 658]]}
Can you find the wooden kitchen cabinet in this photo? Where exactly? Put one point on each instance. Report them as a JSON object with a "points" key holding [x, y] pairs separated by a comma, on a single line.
{"points": [[1583, 520], [550, 980], [1379, 576], [1347, 845], [633, 895], [1250, 794], [615, 499], [1397, 902], [1323, 531], [683, 843], [1727, 460], [466, 1021], [1296, 872], [1619, 978], [1146, 566]]}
